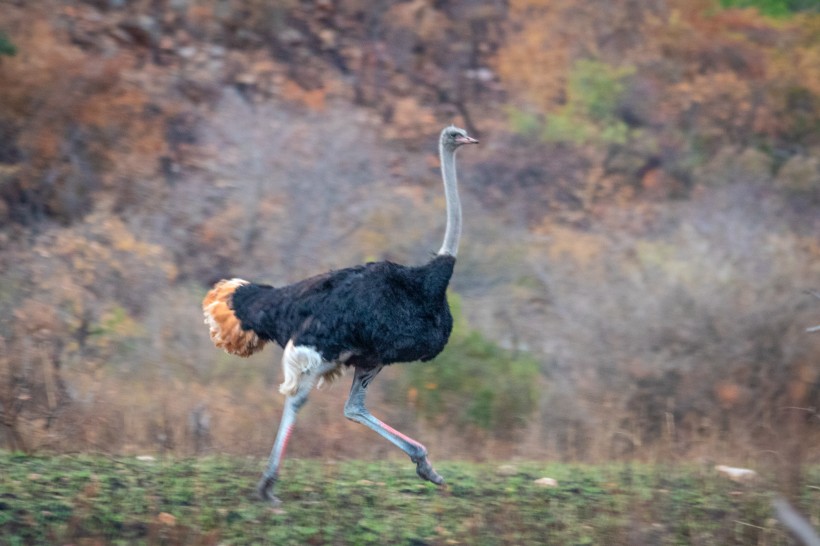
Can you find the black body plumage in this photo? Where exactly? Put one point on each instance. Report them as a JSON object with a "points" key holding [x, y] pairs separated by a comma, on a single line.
{"points": [[366, 316]]}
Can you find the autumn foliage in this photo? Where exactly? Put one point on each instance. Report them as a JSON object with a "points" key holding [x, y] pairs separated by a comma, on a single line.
{"points": [[641, 220]]}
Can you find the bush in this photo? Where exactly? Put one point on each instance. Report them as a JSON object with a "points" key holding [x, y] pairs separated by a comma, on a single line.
{"points": [[773, 8], [6, 47], [590, 114], [475, 382]]}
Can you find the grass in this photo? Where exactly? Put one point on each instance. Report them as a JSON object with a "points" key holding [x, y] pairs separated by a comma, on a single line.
{"points": [[94, 500]]}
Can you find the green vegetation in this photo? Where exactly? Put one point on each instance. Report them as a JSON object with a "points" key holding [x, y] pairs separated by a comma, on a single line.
{"points": [[774, 8], [6, 47], [59, 500], [590, 113], [641, 216], [475, 382]]}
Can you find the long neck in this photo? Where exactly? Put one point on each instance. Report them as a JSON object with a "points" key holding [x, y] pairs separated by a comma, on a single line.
{"points": [[453, 232]]}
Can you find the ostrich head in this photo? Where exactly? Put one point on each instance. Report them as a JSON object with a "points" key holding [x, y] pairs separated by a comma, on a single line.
{"points": [[452, 137]]}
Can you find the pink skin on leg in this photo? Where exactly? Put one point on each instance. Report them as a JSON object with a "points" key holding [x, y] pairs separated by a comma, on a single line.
{"points": [[404, 437], [285, 442], [355, 410], [424, 470]]}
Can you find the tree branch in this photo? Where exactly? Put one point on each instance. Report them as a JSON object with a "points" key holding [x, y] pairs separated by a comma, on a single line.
{"points": [[795, 523]]}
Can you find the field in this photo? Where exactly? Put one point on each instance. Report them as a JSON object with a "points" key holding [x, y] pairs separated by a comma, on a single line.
{"points": [[96, 500]]}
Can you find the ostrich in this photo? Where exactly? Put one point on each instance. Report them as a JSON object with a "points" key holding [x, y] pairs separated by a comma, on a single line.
{"points": [[366, 316]]}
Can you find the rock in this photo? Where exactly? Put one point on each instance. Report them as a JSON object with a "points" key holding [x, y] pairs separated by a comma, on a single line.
{"points": [[507, 470], [368, 482], [740, 475], [187, 52], [546, 482], [167, 43], [328, 38], [144, 30], [167, 519], [246, 78], [481, 74], [248, 38], [291, 36]]}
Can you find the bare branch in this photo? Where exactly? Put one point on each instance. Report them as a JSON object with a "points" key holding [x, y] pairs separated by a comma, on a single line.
{"points": [[814, 293], [795, 523]]}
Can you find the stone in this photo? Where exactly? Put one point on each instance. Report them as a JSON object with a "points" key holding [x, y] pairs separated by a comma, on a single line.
{"points": [[546, 482]]}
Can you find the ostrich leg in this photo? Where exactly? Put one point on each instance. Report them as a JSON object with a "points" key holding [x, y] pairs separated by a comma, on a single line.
{"points": [[355, 410], [292, 406]]}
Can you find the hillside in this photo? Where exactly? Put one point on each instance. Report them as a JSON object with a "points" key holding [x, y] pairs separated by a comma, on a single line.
{"points": [[641, 217]]}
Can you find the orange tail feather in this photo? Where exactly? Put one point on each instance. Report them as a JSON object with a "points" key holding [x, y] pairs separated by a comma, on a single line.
{"points": [[226, 329]]}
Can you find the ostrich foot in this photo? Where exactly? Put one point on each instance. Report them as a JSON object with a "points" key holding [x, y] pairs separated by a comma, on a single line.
{"points": [[425, 471], [265, 491]]}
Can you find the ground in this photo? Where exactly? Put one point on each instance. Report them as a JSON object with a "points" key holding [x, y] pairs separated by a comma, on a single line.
{"points": [[97, 500]]}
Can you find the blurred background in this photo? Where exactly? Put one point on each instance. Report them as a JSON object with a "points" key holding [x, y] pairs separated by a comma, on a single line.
{"points": [[641, 220]]}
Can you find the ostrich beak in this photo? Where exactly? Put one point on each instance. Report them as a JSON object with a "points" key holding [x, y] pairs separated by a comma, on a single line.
{"points": [[466, 140]]}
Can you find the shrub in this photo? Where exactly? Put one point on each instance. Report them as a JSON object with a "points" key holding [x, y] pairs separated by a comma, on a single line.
{"points": [[6, 47], [773, 8], [475, 382], [590, 114]]}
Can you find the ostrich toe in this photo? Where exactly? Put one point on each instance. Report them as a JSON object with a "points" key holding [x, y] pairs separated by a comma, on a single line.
{"points": [[265, 491], [425, 471]]}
